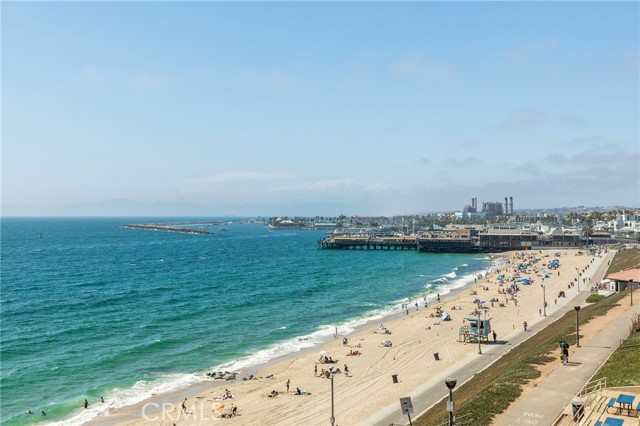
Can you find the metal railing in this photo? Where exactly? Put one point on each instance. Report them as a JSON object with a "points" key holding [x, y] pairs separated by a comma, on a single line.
{"points": [[589, 393]]}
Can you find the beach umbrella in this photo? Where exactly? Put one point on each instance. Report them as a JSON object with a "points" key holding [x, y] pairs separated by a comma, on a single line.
{"points": [[324, 353]]}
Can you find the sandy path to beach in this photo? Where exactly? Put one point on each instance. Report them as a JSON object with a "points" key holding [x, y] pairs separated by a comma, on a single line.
{"points": [[369, 389]]}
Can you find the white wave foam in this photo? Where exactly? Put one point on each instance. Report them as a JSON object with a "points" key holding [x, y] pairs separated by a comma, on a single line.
{"points": [[296, 344], [142, 390], [119, 398]]}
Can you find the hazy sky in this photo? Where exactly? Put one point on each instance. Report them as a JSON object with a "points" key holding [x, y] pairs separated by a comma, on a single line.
{"points": [[317, 108]]}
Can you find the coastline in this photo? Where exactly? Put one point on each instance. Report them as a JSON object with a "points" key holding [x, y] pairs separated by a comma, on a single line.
{"points": [[369, 391], [454, 288]]}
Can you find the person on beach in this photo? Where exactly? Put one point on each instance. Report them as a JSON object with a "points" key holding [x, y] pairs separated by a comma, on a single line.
{"points": [[86, 404], [438, 297], [524, 325], [344, 341], [288, 383], [102, 399], [183, 406], [346, 370], [43, 413], [494, 336], [298, 391], [315, 370]]}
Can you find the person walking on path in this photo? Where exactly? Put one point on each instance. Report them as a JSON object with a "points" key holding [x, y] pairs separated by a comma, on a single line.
{"points": [[564, 352], [524, 325]]}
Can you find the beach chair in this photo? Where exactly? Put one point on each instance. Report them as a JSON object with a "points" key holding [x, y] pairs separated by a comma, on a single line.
{"points": [[610, 404]]}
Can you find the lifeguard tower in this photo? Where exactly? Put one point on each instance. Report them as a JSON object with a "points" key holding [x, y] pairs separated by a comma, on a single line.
{"points": [[471, 332]]}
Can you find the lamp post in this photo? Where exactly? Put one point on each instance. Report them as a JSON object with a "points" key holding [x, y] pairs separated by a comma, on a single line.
{"points": [[451, 383], [544, 300], [577, 308], [479, 339], [333, 419]]}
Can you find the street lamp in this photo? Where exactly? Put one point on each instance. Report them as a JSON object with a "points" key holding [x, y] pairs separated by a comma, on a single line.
{"points": [[577, 308], [478, 334], [544, 300], [451, 383], [333, 419]]}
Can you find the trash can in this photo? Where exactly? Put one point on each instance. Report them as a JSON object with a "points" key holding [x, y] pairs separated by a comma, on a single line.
{"points": [[577, 408], [394, 378], [436, 356]]}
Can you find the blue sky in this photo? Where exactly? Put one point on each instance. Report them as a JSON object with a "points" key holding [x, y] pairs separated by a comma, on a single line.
{"points": [[321, 108]]}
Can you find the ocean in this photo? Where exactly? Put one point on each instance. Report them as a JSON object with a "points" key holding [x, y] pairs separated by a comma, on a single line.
{"points": [[90, 309]]}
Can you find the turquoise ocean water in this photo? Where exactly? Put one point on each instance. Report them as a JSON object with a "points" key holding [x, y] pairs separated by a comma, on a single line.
{"points": [[91, 309]]}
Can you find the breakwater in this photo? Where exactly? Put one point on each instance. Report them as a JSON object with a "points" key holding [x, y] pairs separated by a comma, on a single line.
{"points": [[168, 228]]}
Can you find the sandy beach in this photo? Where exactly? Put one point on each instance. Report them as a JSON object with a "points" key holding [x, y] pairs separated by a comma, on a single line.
{"points": [[368, 389]]}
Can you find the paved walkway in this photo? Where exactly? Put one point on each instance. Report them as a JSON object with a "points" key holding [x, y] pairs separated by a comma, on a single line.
{"points": [[435, 390], [542, 405]]}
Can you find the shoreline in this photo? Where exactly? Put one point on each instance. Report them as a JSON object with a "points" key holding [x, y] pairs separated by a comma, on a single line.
{"points": [[128, 413], [368, 392]]}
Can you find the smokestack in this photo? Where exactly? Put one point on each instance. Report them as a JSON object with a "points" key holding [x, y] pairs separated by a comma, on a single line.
{"points": [[506, 205], [510, 205]]}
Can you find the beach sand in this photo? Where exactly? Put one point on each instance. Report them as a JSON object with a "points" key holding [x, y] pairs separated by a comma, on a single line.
{"points": [[369, 389]]}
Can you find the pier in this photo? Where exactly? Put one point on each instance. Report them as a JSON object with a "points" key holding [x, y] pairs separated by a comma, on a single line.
{"points": [[353, 242]]}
